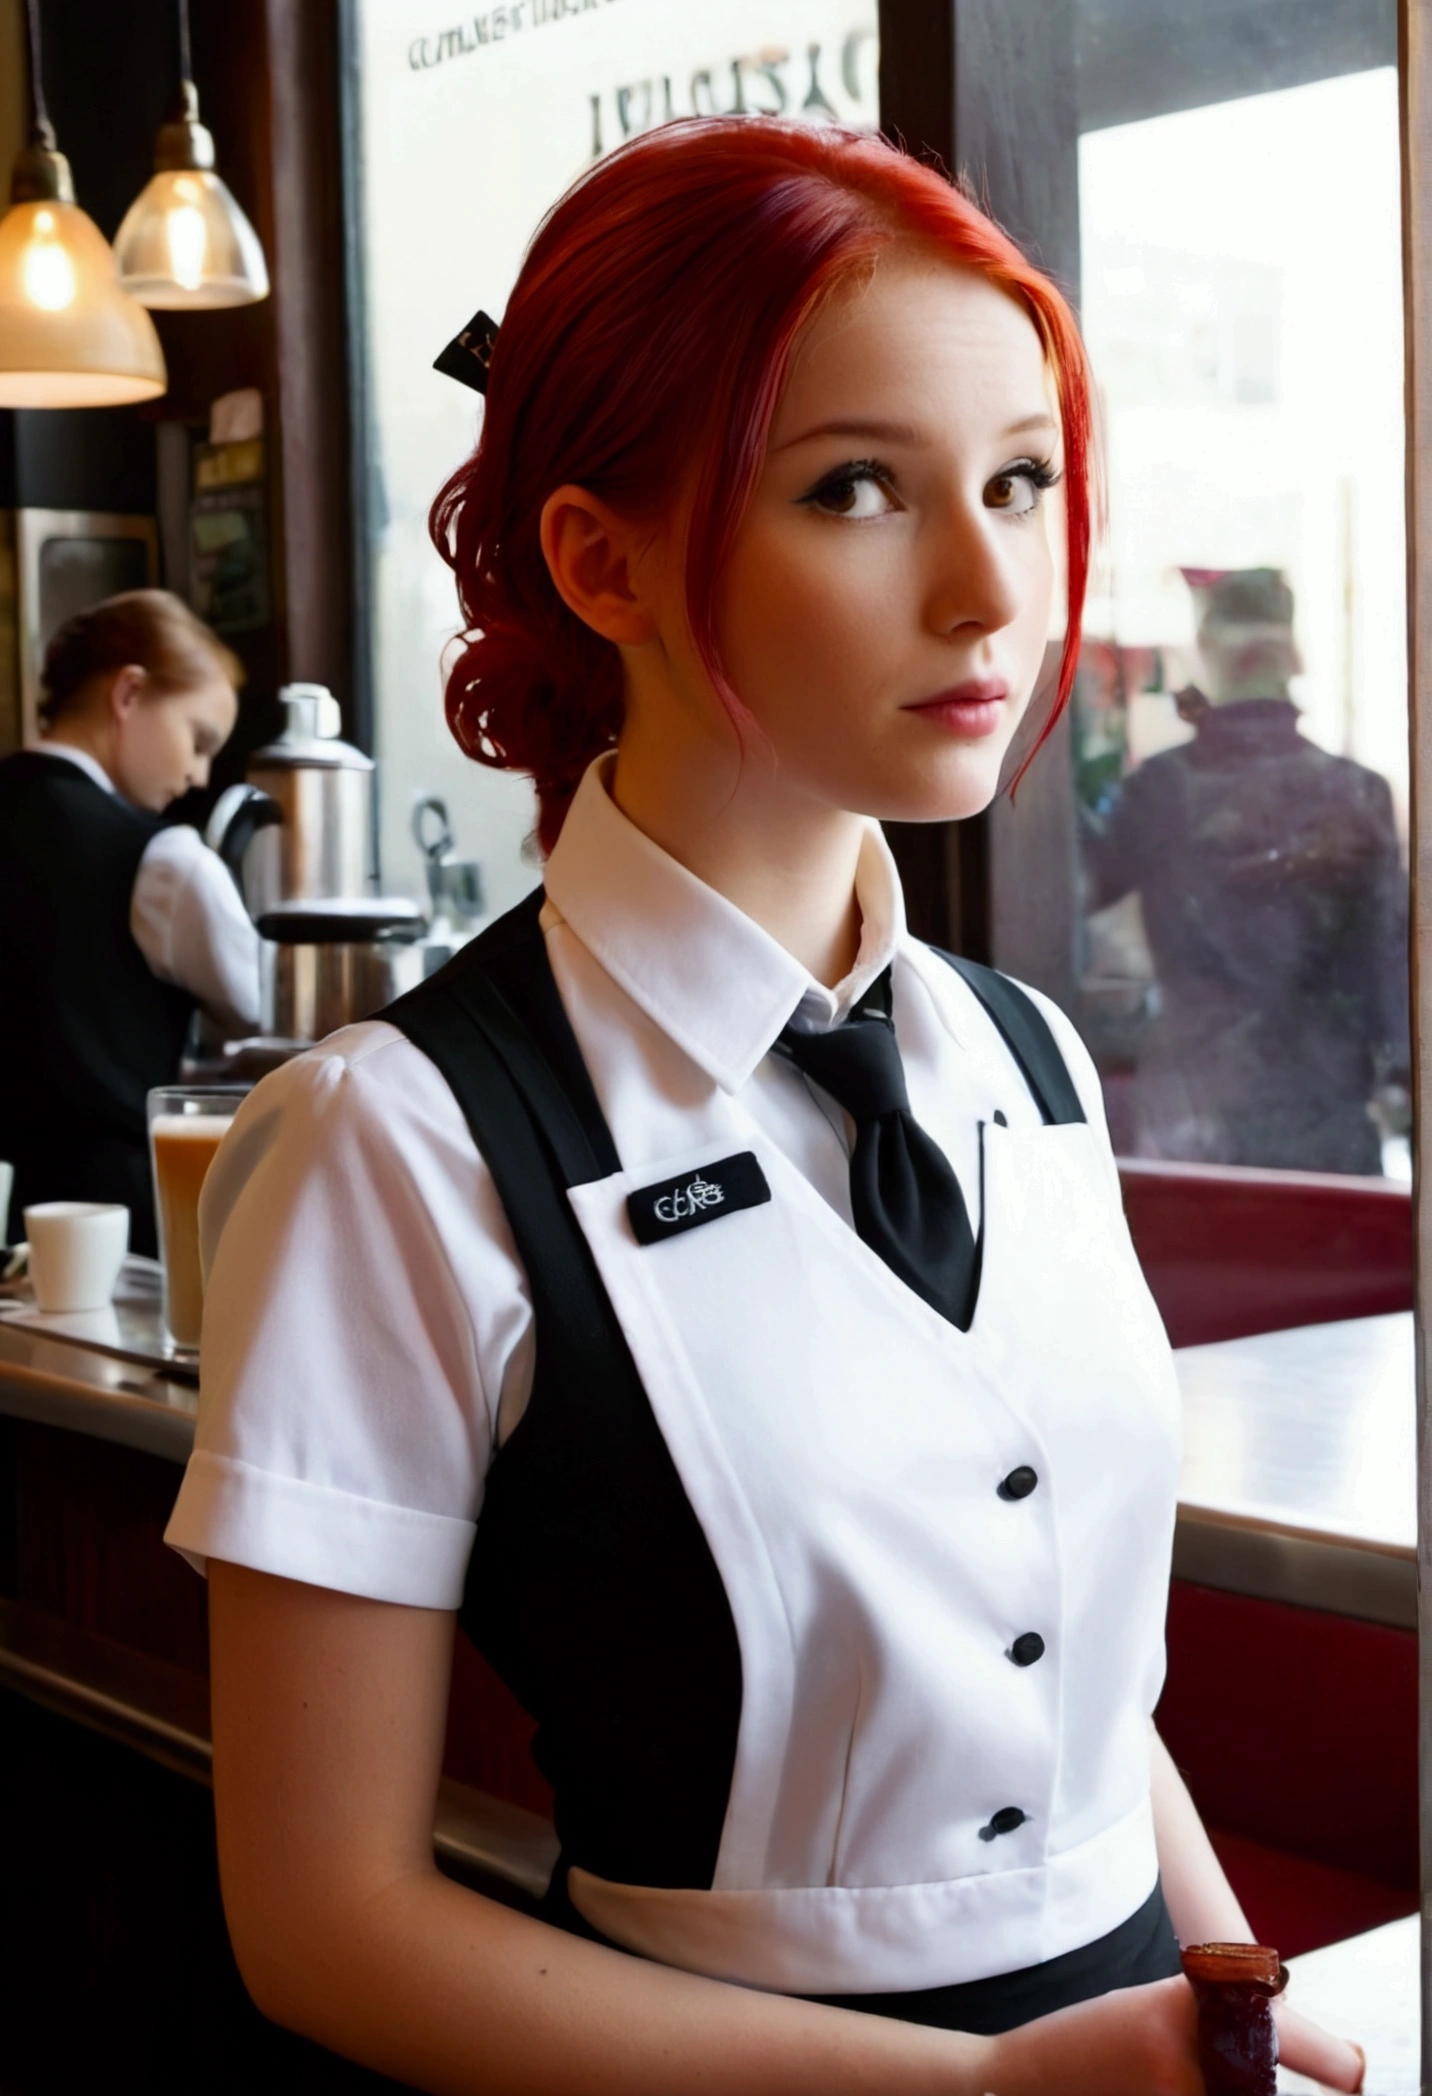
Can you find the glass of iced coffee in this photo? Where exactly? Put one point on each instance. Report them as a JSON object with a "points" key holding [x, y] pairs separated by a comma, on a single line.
{"points": [[187, 1123]]}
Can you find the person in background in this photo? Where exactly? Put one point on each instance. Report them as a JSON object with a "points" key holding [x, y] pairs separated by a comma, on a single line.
{"points": [[1275, 907], [113, 927]]}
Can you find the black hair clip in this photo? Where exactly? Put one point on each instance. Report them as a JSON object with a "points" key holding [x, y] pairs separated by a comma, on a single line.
{"points": [[469, 354]]}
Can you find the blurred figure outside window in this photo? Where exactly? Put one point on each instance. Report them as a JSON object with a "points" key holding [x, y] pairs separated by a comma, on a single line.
{"points": [[1274, 904]]}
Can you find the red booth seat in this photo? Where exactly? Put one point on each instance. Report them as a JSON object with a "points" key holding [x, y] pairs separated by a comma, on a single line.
{"points": [[1229, 1252], [1296, 1732]]}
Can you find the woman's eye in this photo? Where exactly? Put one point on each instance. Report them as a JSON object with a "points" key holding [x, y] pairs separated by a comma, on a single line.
{"points": [[858, 491], [1018, 490]]}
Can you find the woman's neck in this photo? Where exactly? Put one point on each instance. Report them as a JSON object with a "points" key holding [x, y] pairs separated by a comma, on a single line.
{"points": [[785, 860], [79, 732]]}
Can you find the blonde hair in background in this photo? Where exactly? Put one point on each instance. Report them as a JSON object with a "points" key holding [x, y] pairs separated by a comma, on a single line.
{"points": [[151, 628]]}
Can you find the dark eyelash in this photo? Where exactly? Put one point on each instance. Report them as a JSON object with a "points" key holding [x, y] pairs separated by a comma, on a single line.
{"points": [[1040, 473], [852, 470]]}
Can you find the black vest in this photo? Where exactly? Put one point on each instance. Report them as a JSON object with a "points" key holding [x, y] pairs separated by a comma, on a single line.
{"points": [[591, 1588], [87, 1028]]}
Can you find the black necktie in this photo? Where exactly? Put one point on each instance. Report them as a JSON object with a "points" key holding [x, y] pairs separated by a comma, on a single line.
{"points": [[905, 1200]]}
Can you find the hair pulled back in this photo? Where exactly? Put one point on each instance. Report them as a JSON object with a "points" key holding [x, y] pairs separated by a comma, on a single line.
{"points": [[649, 333], [149, 628]]}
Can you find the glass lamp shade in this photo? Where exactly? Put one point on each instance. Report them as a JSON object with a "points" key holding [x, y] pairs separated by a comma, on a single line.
{"points": [[70, 336], [185, 243]]}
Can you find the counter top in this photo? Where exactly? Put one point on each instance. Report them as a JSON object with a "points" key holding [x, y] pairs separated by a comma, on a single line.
{"points": [[1299, 1468], [1366, 1988], [107, 1373], [1314, 1425]]}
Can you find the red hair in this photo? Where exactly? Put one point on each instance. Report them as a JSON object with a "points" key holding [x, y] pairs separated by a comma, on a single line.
{"points": [[652, 325]]}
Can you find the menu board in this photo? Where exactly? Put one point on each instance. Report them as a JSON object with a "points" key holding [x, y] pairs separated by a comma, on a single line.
{"points": [[468, 128]]}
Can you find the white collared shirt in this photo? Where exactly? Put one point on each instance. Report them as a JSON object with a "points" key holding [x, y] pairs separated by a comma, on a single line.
{"points": [[186, 915], [368, 1330]]}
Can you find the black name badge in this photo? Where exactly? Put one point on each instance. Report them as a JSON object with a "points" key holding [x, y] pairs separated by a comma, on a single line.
{"points": [[697, 1197]]}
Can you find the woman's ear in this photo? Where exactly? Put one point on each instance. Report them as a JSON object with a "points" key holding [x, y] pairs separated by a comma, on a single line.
{"points": [[126, 690], [595, 560]]}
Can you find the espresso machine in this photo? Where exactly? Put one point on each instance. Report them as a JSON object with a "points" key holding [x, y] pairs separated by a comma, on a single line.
{"points": [[298, 839]]}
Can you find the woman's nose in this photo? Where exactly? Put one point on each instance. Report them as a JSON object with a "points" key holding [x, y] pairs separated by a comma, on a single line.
{"points": [[978, 579]]}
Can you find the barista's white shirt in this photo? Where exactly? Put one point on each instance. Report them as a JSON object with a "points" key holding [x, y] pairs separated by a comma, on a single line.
{"points": [[368, 1330], [186, 915]]}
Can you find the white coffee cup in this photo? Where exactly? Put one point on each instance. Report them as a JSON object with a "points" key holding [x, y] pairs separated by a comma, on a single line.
{"points": [[7, 1187], [76, 1251]]}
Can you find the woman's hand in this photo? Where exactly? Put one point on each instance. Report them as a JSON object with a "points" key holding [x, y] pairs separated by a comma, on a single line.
{"points": [[1205, 1910], [1308, 2049], [1141, 2041]]}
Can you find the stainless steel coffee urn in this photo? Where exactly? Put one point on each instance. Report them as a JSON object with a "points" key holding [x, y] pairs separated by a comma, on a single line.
{"points": [[298, 838], [303, 824], [339, 960]]}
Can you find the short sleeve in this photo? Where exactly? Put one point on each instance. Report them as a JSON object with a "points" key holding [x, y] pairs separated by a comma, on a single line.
{"points": [[367, 1330]]}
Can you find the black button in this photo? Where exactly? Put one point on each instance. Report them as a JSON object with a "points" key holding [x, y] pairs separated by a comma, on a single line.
{"points": [[999, 1119], [1004, 1821], [1019, 1484], [1026, 1649]]}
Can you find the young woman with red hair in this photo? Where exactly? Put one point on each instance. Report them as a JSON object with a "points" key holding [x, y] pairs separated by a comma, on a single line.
{"points": [[714, 1299]]}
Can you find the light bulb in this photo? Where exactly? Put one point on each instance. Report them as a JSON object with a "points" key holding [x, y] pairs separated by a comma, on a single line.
{"points": [[46, 271], [188, 245]]}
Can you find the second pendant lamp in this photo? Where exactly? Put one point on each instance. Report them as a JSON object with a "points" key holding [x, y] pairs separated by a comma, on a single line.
{"points": [[184, 241]]}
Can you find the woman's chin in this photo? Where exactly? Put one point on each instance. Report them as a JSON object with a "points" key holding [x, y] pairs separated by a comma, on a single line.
{"points": [[943, 793]]}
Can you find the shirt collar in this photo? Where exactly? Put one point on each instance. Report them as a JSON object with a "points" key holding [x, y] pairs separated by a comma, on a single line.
{"points": [[707, 974], [82, 758]]}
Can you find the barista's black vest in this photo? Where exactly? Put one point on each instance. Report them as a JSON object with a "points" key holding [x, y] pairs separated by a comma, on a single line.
{"points": [[87, 1028], [591, 1587]]}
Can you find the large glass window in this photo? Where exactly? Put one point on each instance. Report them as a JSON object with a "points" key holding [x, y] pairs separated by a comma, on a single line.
{"points": [[1208, 863], [466, 131], [1239, 742]]}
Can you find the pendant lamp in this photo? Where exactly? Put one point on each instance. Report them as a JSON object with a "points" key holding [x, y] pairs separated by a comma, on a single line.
{"points": [[70, 336], [184, 241]]}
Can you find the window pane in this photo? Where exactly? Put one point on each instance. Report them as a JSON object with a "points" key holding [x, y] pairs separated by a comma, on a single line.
{"points": [[1240, 729], [465, 137]]}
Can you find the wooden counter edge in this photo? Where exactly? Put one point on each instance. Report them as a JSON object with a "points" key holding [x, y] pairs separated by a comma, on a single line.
{"points": [[1245, 1552]]}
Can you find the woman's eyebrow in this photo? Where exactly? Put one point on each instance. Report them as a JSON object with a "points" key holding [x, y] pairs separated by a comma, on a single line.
{"points": [[856, 426], [901, 432]]}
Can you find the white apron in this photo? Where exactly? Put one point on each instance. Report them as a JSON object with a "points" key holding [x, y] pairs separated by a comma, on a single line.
{"points": [[842, 1445]]}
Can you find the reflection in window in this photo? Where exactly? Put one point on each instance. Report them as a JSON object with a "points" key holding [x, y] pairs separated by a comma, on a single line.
{"points": [[1240, 729]]}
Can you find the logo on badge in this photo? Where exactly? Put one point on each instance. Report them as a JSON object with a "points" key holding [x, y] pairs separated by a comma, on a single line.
{"points": [[721, 1188], [688, 1201]]}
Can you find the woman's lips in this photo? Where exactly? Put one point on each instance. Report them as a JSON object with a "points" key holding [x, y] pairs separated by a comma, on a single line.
{"points": [[974, 709]]}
